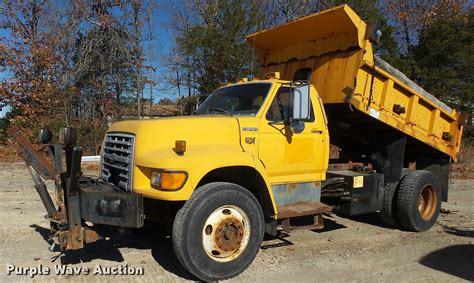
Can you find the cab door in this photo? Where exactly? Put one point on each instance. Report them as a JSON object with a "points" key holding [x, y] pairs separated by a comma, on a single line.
{"points": [[291, 156]]}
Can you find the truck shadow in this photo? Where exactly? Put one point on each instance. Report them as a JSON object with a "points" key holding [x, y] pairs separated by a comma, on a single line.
{"points": [[330, 224], [371, 219], [457, 260], [156, 240], [278, 241]]}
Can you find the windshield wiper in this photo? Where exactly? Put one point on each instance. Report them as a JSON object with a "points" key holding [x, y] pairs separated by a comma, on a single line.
{"points": [[222, 111]]}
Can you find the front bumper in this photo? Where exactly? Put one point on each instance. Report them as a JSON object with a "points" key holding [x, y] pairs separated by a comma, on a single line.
{"points": [[104, 203]]}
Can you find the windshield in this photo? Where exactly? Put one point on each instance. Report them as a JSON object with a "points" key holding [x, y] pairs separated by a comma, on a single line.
{"points": [[243, 99]]}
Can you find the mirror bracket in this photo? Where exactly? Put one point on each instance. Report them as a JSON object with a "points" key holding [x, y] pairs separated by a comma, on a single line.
{"points": [[298, 126]]}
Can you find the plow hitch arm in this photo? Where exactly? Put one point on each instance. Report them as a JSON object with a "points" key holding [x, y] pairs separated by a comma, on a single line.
{"points": [[65, 216]]}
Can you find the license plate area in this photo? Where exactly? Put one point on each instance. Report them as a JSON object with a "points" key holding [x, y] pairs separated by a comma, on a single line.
{"points": [[107, 204]]}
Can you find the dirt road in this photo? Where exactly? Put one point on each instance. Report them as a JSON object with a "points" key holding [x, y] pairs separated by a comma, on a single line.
{"points": [[357, 249]]}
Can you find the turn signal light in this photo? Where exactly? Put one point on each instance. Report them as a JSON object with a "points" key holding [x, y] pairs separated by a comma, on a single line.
{"points": [[168, 180]]}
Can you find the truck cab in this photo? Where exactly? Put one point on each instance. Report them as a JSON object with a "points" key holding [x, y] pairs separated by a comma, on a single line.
{"points": [[246, 126]]}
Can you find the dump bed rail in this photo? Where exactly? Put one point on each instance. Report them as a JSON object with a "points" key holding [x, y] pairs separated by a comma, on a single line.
{"points": [[379, 62]]}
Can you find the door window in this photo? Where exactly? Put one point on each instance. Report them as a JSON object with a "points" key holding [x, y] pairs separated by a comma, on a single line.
{"points": [[280, 109]]}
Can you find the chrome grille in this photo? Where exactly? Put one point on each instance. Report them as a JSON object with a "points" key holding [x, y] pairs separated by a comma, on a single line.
{"points": [[117, 160]]}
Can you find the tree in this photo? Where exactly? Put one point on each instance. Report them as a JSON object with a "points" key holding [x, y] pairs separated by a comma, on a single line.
{"points": [[71, 63], [103, 70], [409, 18], [138, 50], [180, 62], [30, 55], [150, 9], [445, 59], [216, 44]]}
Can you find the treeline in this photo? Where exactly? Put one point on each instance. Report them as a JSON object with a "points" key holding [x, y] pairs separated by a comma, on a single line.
{"points": [[87, 63]]}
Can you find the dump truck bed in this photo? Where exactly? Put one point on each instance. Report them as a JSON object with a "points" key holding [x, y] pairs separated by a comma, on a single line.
{"points": [[333, 49]]}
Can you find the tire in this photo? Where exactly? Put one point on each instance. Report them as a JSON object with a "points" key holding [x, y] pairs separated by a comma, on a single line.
{"points": [[218, 232], [419, 200], [389, 213]]}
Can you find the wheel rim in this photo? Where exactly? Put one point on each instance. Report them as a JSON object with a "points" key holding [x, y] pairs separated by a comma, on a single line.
{"points": [[226, 233], [427, 202]]}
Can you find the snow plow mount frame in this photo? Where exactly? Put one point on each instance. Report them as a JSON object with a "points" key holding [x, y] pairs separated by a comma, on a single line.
{"points": [[78, 199]]}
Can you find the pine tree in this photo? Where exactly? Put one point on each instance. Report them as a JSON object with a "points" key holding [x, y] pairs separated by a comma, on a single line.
{"points": [[445, 59], [217, 43]]}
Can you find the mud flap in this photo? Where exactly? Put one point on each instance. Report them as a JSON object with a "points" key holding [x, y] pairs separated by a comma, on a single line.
{"points": [[441, 168]]}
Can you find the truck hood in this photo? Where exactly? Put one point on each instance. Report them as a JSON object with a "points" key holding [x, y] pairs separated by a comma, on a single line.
{"points": [[161, 133]]}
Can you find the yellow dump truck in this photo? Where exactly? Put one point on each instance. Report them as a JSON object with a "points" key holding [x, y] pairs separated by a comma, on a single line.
{"points": [[255, 158]]}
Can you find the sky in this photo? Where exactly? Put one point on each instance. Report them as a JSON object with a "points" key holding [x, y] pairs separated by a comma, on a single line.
{"points": [[162, 43]]}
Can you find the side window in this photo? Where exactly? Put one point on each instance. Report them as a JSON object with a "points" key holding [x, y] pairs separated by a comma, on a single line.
{"points": [[279, 108]]}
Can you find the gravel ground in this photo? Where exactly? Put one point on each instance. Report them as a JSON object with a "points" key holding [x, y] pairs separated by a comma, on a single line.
{"points": [[358, 249]]}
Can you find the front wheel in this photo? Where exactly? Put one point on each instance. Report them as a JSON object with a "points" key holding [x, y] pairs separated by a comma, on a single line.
{"points": [[218, 231]]}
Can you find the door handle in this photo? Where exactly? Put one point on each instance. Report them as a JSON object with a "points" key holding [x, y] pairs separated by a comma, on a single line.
{"points": [[316, 131]]}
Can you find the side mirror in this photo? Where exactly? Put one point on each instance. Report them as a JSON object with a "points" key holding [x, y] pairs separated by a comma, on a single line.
{"points": [[45, 135], [301, 102], [373, 32]]}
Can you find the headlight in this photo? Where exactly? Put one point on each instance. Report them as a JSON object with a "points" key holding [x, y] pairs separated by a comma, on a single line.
{"points": [[168, 180]]}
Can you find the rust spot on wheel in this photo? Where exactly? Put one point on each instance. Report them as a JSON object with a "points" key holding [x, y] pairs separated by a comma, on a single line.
{"points": [[427, 202], [224, 235], [229, 235]]}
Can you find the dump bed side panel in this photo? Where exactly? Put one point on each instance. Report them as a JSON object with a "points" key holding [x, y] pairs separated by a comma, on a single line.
{"points": [[407, 107]]}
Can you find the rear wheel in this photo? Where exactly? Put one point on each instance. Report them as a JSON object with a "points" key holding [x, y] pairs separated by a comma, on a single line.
{"points": [[419, 200], [389, 212], [218, 232]]}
